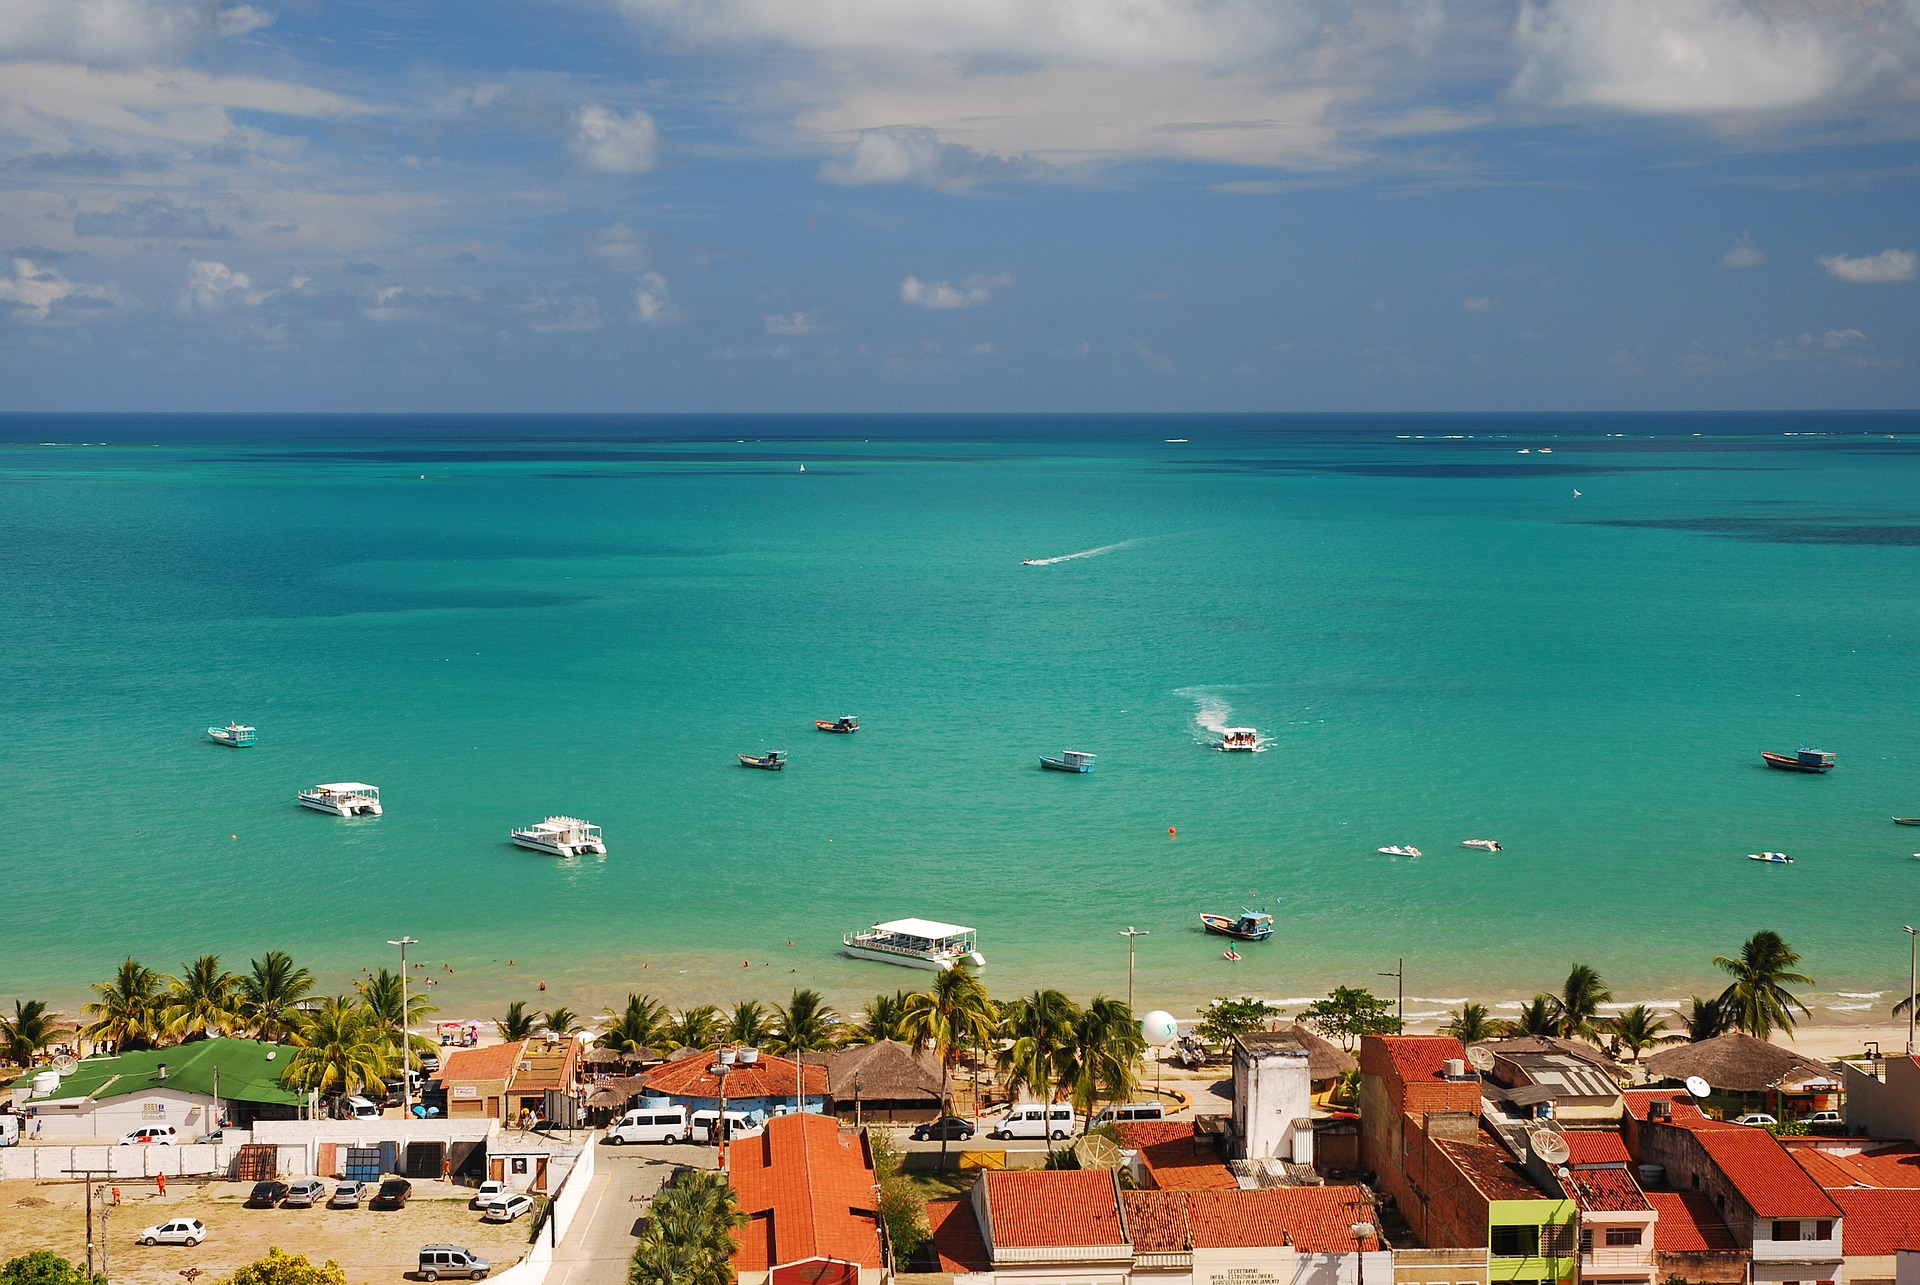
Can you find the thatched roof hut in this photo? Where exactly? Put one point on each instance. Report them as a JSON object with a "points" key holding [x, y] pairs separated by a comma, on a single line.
{"points": [[886, 1078], [1737, 1063], [1325, 1059], [600, 1055]]}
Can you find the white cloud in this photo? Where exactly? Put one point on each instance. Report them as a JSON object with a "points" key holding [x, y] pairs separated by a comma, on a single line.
{"points": [[35, 291], [1478, 304], [1704, 56], [118, 32], [652, 303], [941, 296], [792, 323], [1873, 269], [981, 350], [621, 246], [1743, 253], [615, 142], [212, 287], [915, 154]]}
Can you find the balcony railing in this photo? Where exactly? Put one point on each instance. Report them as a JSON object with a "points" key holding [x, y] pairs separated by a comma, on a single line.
{"points": [[1618, 1259]]}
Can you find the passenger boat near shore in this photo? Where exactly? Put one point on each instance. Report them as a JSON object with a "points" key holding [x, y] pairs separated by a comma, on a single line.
{"points": [[1805, 761], [1250, 926], [843, 725], [1238, 738], [1485, 845], [1069, 761], [238, 735], [1771, 858], [1400, 850], [562, 836], [343, 799], [771, 761], [916, 943]]}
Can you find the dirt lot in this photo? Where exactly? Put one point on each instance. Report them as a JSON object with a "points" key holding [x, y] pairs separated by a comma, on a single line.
{"points": [[374, 1248]]}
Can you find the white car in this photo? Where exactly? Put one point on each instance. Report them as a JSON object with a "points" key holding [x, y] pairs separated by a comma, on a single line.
{"points": [[158, 1135], [507, 1208], [181, 1231], [1755, 1117], [1825, 1117], [490, 1190]]}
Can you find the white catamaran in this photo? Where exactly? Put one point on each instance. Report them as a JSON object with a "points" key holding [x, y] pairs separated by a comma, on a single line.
{"points": [[562, 836], [916, 943], [343, 799]]}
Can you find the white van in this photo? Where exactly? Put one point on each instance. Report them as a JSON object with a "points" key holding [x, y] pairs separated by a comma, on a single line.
{"points": [[1032, 1120], [9, 1130], [359, 1108], [649, 1124], [1127, 1112], [739, 1125]]}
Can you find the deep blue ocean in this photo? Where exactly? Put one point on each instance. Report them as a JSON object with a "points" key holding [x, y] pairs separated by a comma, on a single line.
{"points": [[1445, 631]]}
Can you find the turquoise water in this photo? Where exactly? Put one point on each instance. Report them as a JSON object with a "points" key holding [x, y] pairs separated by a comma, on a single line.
{"points": [[498, 619]]}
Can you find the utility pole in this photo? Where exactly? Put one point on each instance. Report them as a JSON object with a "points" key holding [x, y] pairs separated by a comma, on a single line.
{"points": [[1400, 1004], [86, 1177], [1130, 932], [1913, 977], [406, 1053]]}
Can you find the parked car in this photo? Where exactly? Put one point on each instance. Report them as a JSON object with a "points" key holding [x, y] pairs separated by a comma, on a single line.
{"points": [[951, 1127], [157, 1135], [1755, 1117], [393, 1194], [265, 1195], [1128, 1112], [178, 1231], [451, 1260], [649, 1124], [430, 1063], [304, 1194], [1032, 1120], [347, 1195], [507, 1208], [1825, 1117], [490, 1190], [355, 1107]]}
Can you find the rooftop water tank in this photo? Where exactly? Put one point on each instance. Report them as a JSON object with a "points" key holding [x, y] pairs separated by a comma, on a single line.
{"points": [[749, 1056], [46, 1084], [1454, 1068], [1653, 1175]]}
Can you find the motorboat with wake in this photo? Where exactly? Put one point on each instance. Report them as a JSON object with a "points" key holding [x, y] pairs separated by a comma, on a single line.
{"points": [[1069, 761], [844, 725], [1805, 761], [1252, 925], [771, 761], [343, 799], [1400, 850], [1485, 845], [562, 836], [1238, 738], [238, 735], [1771, 858]]}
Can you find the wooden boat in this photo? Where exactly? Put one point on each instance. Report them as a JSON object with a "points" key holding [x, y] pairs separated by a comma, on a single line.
{"points": [[1069, 761], [238, 735], [844, 724], [1906, 820], [1804, 761], [771, 761], [1250, 926], [1771, 858]]}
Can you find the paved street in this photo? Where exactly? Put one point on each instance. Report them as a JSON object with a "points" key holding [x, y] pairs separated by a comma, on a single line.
{"points": [[597, 1247]]}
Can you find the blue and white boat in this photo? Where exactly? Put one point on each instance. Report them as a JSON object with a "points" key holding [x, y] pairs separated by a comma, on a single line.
{"points": [[917, 943], [238, 735], [1069, 761], [1771, 858], [1252, 925]]}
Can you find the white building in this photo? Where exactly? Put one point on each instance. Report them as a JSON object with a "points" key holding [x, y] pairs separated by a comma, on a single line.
{"points": [[1272, 1098]]}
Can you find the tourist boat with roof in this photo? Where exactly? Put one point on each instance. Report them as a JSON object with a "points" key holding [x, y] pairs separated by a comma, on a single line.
{"points": [[1252, 925], [1238, 739], [562, 836], [844, 725], [343, 799], [238, 735], [917, 943], [1805, 761], [771, 761], [1069, 761]]}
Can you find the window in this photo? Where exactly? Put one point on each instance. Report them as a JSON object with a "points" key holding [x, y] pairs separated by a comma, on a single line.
{"points": [[1514, 1242], [1823, 1230], [519, 1164], [1558, 1241], [1586, 1241], [1623, 1235], [1786, 1229]]}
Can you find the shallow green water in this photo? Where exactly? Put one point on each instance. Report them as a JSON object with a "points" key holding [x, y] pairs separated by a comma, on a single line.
{"points": [[593, 616]]}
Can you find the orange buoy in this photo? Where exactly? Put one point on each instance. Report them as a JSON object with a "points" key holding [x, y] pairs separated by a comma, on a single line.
{"points": [[1172, 833]]}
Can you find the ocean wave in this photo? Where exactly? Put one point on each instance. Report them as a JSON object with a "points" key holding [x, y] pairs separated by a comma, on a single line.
{"points": [[1860, 994], [1427, 1017], [1434, 999], [1624, 1005], [1847, 1008]]}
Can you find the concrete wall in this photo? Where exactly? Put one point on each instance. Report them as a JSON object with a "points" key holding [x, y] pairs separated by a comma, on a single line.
{"points": [[113, 1118], [1346, 1269], [1888, 1108], [1272, 1094], [134, 1162], [1689, 1167]]}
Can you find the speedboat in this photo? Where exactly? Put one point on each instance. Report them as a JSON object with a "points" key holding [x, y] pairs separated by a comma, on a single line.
{"points": [[844, 724], [343, 799], [1250, 926], [238, 735], [1069, 761], [1771, 858], [916, 943], [1400, 850], [562, 836], [1486, 845], [1238, 738], [772, 760], [1805, 761], [1029, 562]]}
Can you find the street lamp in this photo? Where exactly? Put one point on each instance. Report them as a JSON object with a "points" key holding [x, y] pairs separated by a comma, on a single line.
{"points": [[1400, 1006], [720, 1068], [1913, 977], [1361, 1232], [1130, 932], [406, 1054]]}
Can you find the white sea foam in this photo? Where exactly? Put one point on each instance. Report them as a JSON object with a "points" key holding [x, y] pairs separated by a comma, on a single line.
{"points": [[1084, 553], [1213, 714], [1847, 1008], [1860, 994], [1427, 1017], [1511, 1004], [1656, 1004], [1434, 999]]}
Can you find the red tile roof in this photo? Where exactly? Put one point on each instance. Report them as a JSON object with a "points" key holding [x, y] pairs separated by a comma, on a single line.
{"points": [[1595, 1147], [956, 1237], [1315, 1220], [1610, 1189], [769, 1077], [1419, 1057], [1765, 1175], [1684, 1112], [1174, 1159], [1880, 1221], [1053, 1207], [807, 1188], [1688, 1222], [1889, 1166], [1490, 1169], [488, 1062]]}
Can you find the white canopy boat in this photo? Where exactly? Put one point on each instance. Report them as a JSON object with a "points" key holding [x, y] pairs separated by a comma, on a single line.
{"points": [[562, 836], [1238, 738], [916, 943], [1400, 850], [343, 799]]}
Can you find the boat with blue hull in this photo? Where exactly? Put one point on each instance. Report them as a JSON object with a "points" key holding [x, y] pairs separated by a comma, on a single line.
{"points": [[238, 735], [1252, 925], [771, 761]]}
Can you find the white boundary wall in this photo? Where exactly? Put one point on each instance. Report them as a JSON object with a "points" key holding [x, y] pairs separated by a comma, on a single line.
{"points": [[533, 1269]]}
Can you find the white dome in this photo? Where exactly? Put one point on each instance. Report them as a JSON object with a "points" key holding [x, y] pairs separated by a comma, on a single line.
{"points": [[1160, 1027]]}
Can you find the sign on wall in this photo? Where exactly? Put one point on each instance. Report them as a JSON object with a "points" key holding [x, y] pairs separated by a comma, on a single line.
{"points": [[1273, 1265], [466, 1092], [153, 1110]]}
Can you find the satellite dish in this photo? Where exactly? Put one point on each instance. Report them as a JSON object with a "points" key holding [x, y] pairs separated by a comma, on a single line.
{"points": [[1096, 1152], [1698, 1086], [1480, 1058], [1159, 1027], [1549, 1146], [65, 1063]]}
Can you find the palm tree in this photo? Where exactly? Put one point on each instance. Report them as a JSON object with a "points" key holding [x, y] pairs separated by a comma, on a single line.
{"points": [[1043, 1028], [1471, 1025], [563, 1021], [517, 1024], [26, 1033], [1637, 1030], [381, 995], [204, 1000], [689, 1234], [1105, 1055], [1704, 1019], [804, 1024], [747, 1025], [693, 1028], [345, 1048], [953, 1014], [881, 1020], [1538, 1017], [272, 996], [636, 1027], [1758, 1000], [130, 1012], [1577, 1005]]}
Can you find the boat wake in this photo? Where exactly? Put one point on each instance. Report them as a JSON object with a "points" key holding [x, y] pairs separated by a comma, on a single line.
{"points": [[1213, 715], [1084, 553]]}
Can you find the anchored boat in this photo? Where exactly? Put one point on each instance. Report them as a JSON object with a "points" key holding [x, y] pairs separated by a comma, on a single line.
{"points": [[916, 943], [1771, 858], [843, 725], [1804, 761], [562, 836], [1069, 761], [1252, 925], [343, 799], [1485, 845], [238, 735], [771, 761], [1906, 820], [1400, 850]]}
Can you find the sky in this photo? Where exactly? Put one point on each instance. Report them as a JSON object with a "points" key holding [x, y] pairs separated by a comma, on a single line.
{"points": [[959, 205]]}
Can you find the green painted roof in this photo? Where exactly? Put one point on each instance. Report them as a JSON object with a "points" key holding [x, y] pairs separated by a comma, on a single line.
{"points": [[246, 1074]]}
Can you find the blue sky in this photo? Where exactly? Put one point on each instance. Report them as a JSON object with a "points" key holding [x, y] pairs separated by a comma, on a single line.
{"points": [[863, 205]]}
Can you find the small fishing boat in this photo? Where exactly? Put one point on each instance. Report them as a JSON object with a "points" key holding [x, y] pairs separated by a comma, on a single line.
{"points": [[844, 724], [1771, 858], [238, 735], [1069, 761], [771, 761], [916, 943], [562, 836], [1250, 926], [1238, 738], [1230, 954], [1906, 820], [1804, 761], [1485, 845], [1400, 850], [343, 799]]}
